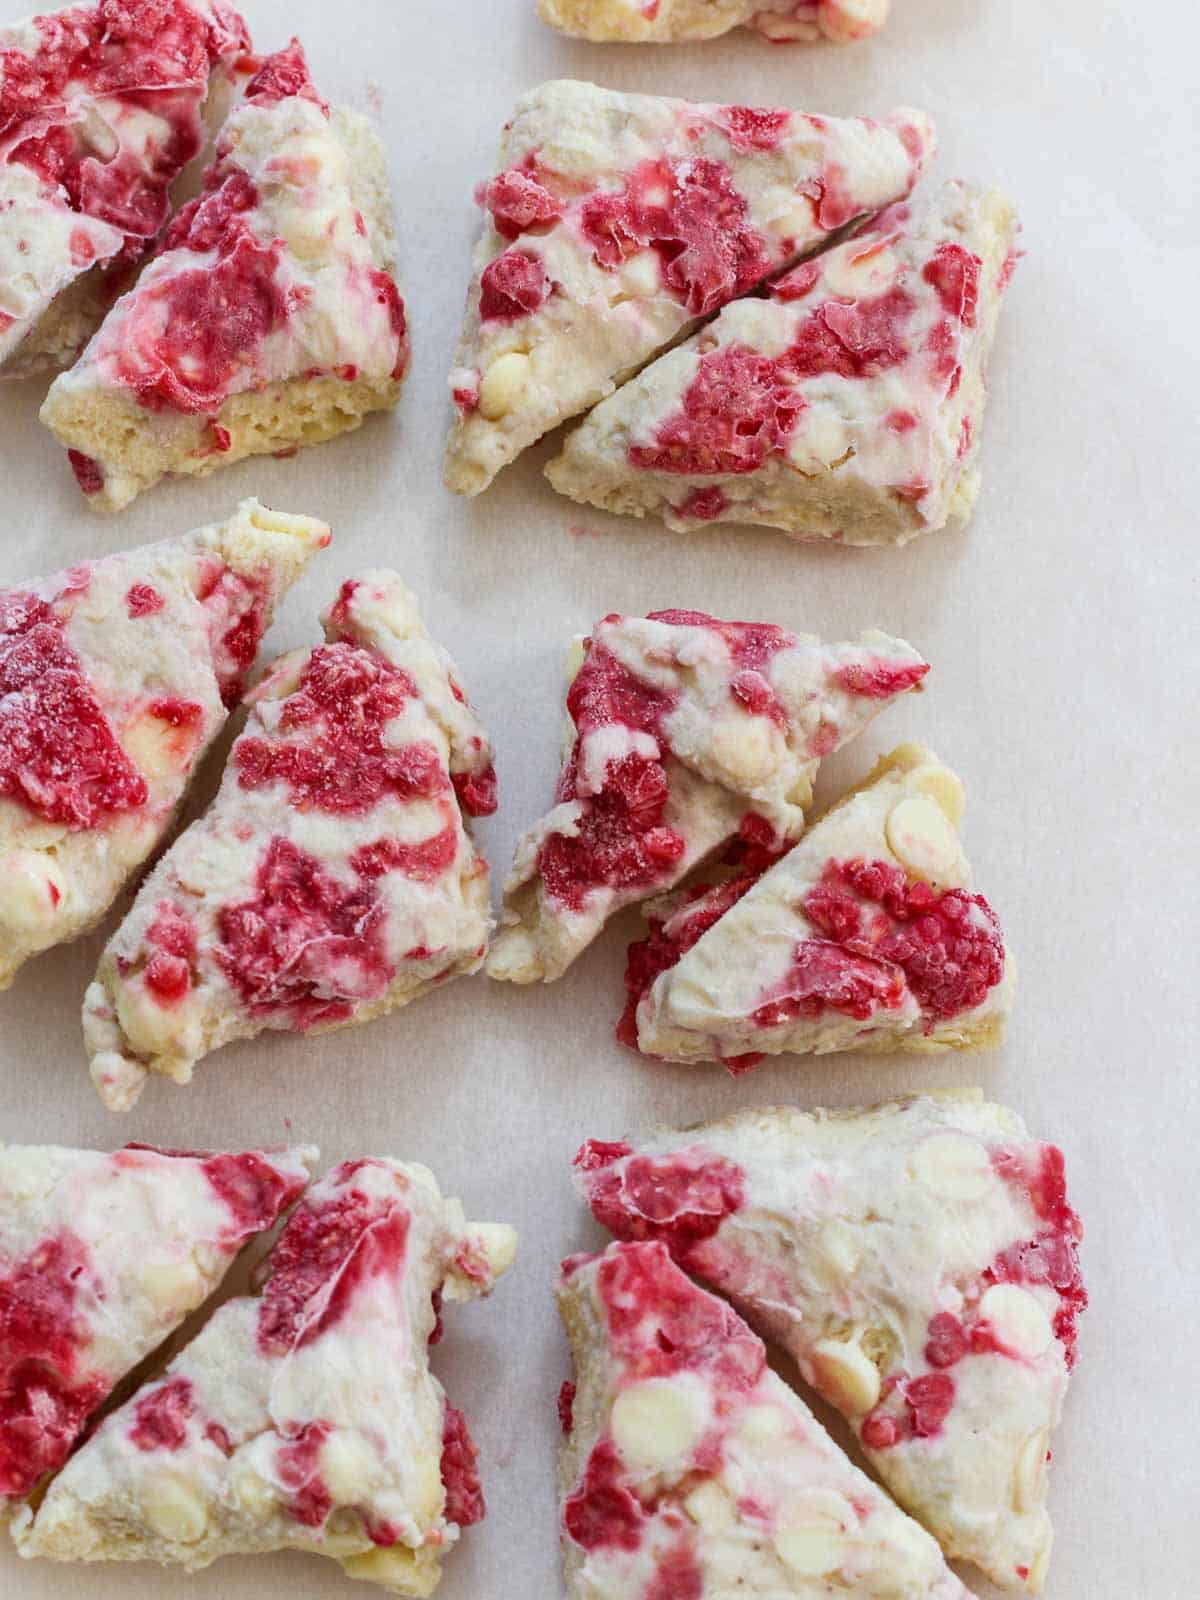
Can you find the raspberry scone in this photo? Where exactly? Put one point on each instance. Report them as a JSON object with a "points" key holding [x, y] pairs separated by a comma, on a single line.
{"points": [[333, 878], [617, 220], [115, 676], [918, 1260], [306, 1417], [685, 735], [101, 107], [269, 320], [865, 936], [101, 1258], [844, 405], [690, 1471], [672, 21]]}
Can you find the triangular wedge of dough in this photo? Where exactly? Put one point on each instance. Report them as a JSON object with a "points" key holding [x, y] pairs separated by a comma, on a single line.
{"points": [[847, 404], [269, 320], [918, 1260], [690, 1470], [685, 735], [115, 677], [865, 936], [333, 878], [102, 105], [673, 21], [101, 1258], [306, 1417], [615, 221]]}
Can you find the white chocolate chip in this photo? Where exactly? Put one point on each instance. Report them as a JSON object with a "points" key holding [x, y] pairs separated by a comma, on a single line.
{"points": [[656, 1423], [785, 30], [816, 1552], [846, 1375], [1016, 1319], [922, 839], [402, 1571], [822, 441], [173, 1286], [173, 1509], [942, 785], [761, 1424], [858, 274], [34, 892], [503, 385], [347, 1466], [252, 1492], [641, 274], [156, 748], [1029, 1486], [1037, 1571], [149, 1027], [710, 1507], [743, 747], [498, 1242], [427, 1492], [954, 1166]]}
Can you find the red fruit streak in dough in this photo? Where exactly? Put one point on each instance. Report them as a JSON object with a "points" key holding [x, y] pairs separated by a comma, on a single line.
{"points": [[679, 1199], [566, 1408], [519, 203], [59, 757], [460, 1476], [161, 1416], [45, 1398], [143, 600], [513, 286]]}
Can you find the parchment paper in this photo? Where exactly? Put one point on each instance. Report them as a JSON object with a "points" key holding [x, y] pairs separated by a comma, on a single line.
{"points": [[1062, 630]]}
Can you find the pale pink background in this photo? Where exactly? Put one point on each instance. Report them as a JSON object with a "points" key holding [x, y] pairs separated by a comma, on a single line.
{"points": [[1062, 631]]}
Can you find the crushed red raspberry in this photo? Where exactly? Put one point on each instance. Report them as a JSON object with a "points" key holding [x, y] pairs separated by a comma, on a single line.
{"points": [[254, 1192], [878, 679], [930, 1400], [823, 976], [209, 221], [460, 1475], [513, 286], [704, 504], [477, 791], [283, 75], [161, 1417], [880, 1431], [88, 473], [679, 1576], [298, 1462], [751, 129], [601, 1513], [621, 841], [693, 217], [680, 1199], [342, 764], [305, 945], [143, 600], [948, 1341], [738, 409], [948, 946], [647, 958], [520, 204], [860, 340], [1051, 1258], [59, 757], [324, 1255], [383, 286], [954, 274], [423, 862], [566, 1408], [46, 1396]]}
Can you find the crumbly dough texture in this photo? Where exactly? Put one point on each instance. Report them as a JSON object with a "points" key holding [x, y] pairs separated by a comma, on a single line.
{"points": [[723, 761], [303, 1418], [218, 582], [607, 301], [846, 405], [915, 1243], [333, 349], [709, 1005], [671, 21], [265, 850], [118, 1249], [720, 1482]]}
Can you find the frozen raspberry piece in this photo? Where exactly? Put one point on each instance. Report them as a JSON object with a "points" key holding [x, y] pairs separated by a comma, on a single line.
{"points": [[270, 316], [615, 221], [333, 878], [888, 948], [919, 1261], [343, 1466], [673, 1402], [103, 722], [691, 735], [101, 1257], [846, 406]]}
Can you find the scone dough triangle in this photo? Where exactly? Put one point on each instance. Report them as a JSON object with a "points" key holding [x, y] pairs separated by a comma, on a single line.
{"points": [[690, 1469], [918, 1260], [305, 1417], [333, 878], [115, 677], [864, 936], [615, 221], [101, 1258], [673, 21], [270, 319], [685, 735]]}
